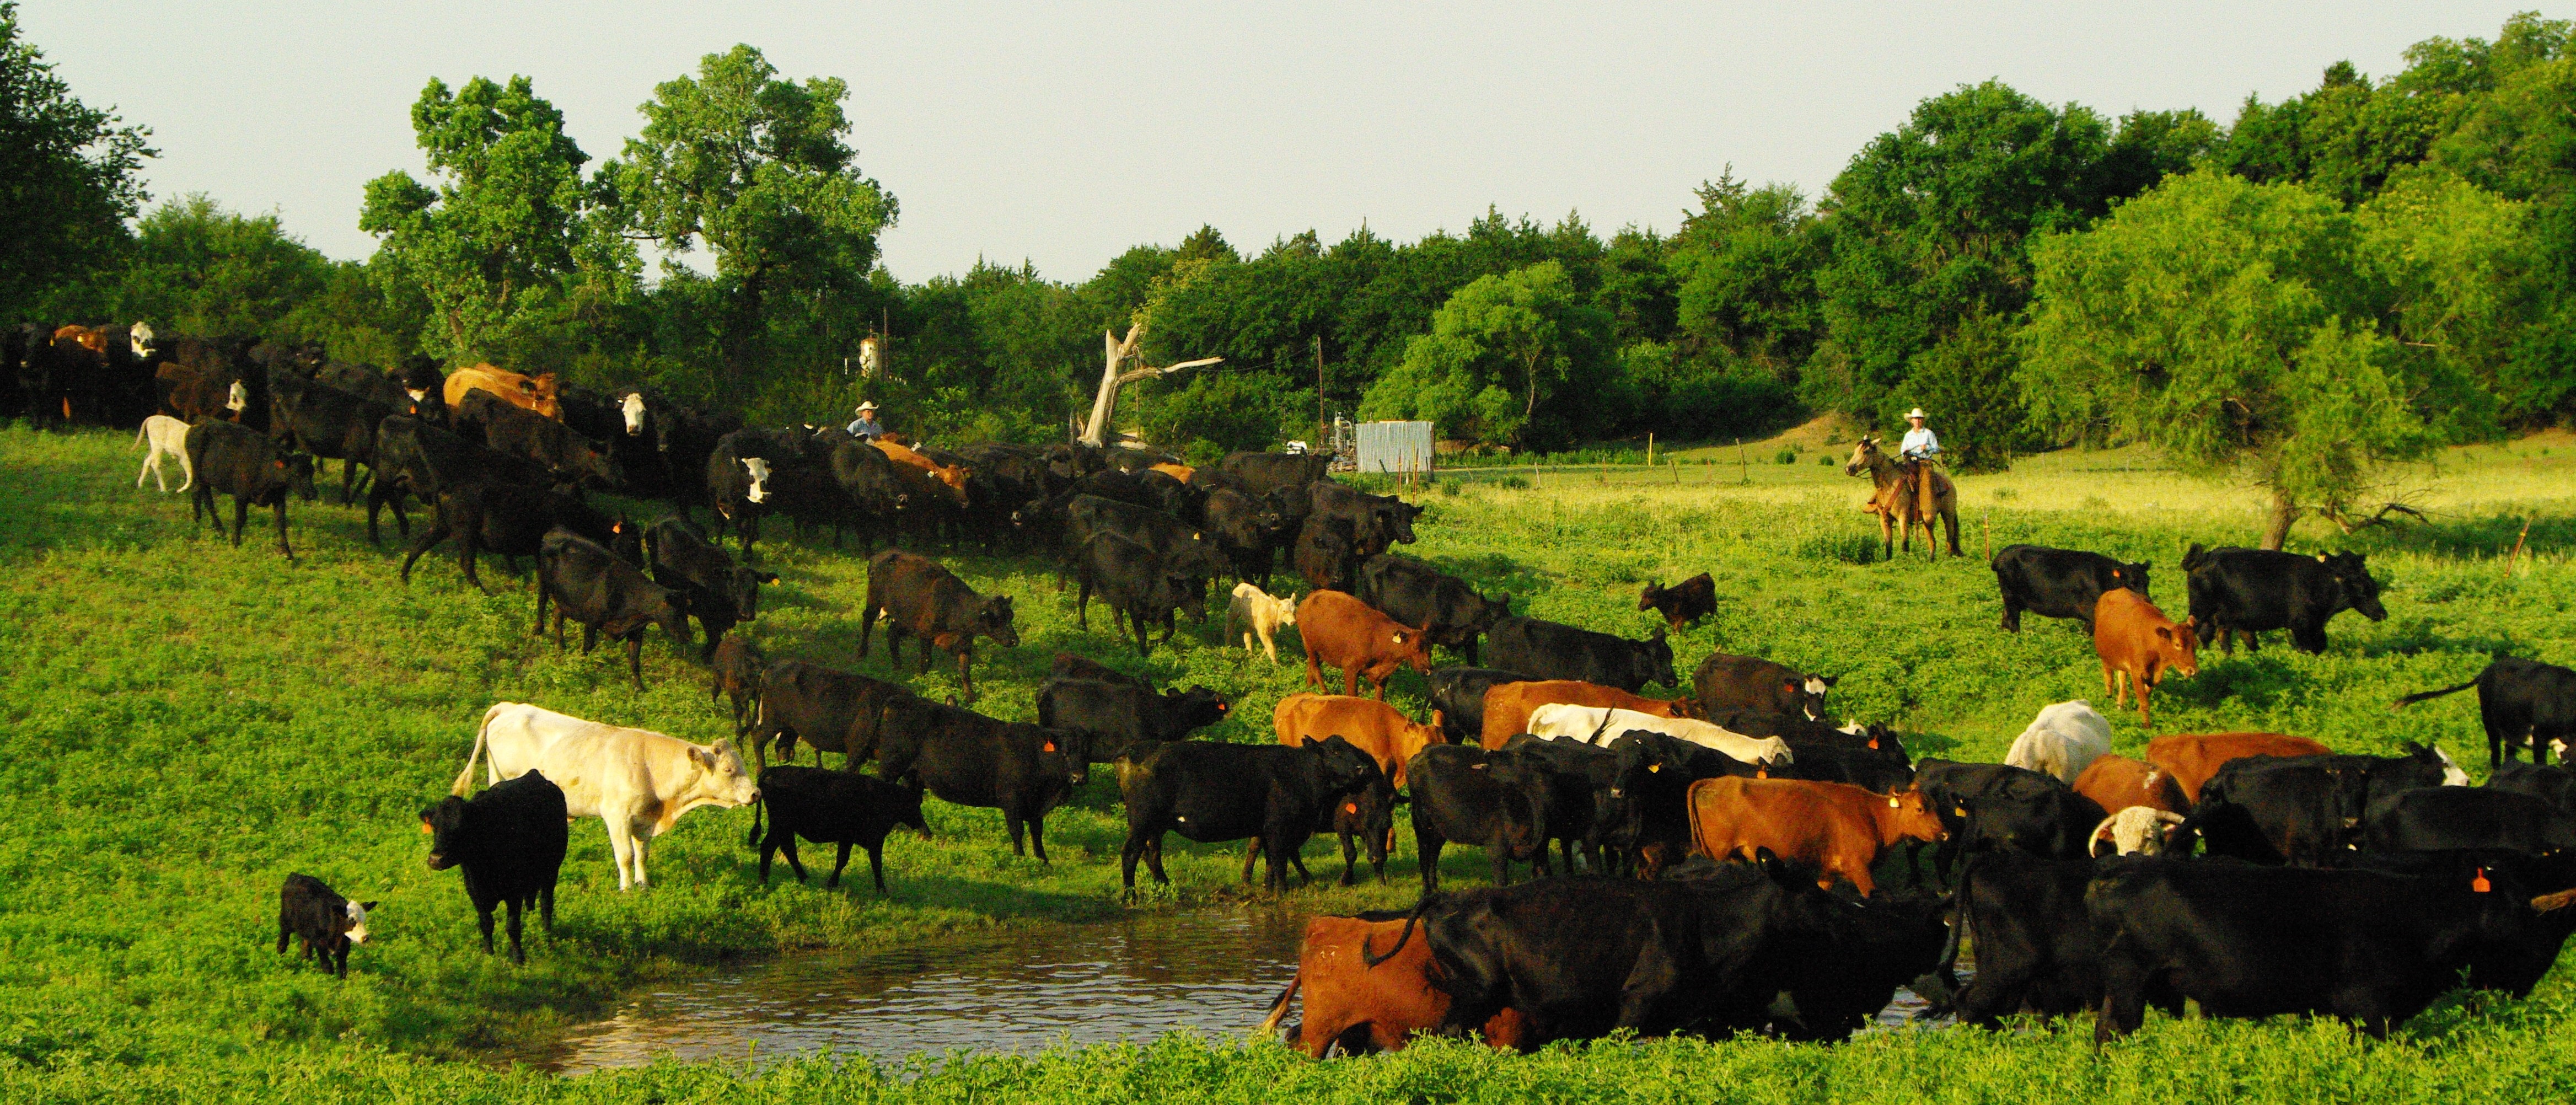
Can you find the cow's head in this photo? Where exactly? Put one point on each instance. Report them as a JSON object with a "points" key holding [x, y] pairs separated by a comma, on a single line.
{"points": [[1398, 516], [1646, 599], [1287, 608], [2129, 576], [742, 588], [449, 838], [759, 469], [2178, 646], [2428, 759], [139, 338], [237, 398], [904, 807], [993, 619], [1651, 661], [726, 780], [1912, 816], [1808, 691], [1196, 707], [1346, 769], [1412, 646], [1369, 813], [1065, 750], [632, 407], [353, 915], [2360, 592], [295, 474]]}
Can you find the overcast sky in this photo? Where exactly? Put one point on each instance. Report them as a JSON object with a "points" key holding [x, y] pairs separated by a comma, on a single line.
{"points": [[1064, 133]]}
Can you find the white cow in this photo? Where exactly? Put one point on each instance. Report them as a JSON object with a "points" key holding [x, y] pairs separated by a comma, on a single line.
{"points": [[166, 436], [2062, 741], [1600, 725], [636, 780], [1259, 613], [2134, 831]]}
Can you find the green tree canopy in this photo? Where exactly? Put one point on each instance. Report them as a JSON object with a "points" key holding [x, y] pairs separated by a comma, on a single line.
{"points": [[67, 181], [2233, 325], [1498, 349], [494, 245], [198, 269], [756, 168]]}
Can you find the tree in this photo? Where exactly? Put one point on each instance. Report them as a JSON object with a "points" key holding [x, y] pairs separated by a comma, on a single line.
{"points": [[492, 246], [2470, 287], [1746, 266], [2230, 324], [67, 178], [196, 268], [1495, 350], [755, 167]]}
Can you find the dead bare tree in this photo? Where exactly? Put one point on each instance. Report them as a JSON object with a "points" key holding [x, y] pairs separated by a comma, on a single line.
{"points": [[1118, 351]]}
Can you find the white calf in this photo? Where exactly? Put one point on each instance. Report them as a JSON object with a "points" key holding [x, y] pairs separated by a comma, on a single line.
{"points": [[1258, 612], [1599, 725], [2062, 741], [2134, 831], [166, 436], [637, 781]]}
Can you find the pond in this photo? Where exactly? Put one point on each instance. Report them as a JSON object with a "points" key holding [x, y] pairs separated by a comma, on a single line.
{"points": [[1215, 972]]}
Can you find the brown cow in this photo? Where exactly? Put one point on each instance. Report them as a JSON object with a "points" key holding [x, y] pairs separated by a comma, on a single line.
{"points": [[2138, 643], [2116, 783], [536, 393], [1371, 1008], [89, 338], [1181, 472], [2193, 757], [1376, 728], [923, 476], [1352, 635], [1838, 828], [1508, 705]]}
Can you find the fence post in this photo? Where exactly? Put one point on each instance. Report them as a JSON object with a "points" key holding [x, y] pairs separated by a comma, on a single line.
{"points": [[1743, 467]]}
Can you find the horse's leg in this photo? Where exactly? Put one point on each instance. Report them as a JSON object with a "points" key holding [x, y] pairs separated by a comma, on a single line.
{"points": [[1950, 520]]}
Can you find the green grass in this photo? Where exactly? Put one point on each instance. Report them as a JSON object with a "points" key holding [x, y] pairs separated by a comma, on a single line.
{"points": [[189, 722]]}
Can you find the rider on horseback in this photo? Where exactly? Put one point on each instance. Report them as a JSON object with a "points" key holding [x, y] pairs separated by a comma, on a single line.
{"points": [[1918, 448]]}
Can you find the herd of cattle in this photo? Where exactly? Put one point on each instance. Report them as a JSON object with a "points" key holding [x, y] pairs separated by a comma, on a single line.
{"points": [[1733, 839]]}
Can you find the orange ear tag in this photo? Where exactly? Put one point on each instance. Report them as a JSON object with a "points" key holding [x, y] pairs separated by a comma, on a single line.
{"points": [[1652, 768], [1873, 742], [1762, 771], [2479, 884], [1048, 747], [1350, 807]]}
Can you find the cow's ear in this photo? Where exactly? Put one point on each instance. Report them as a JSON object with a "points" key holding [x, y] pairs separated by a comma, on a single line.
{"points": [[2322, 558], [370, 906], [1399, 636], [1792, 685], [2165, 631], [706, 757]]}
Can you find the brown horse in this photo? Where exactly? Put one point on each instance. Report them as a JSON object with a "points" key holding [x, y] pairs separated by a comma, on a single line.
{"points": [[1896, 503]]}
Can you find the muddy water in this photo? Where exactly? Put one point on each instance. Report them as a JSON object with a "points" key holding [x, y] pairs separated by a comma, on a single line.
{"points": [[1131, 979], [1096, 983]]}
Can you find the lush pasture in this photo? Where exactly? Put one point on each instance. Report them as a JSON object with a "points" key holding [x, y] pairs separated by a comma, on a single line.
{"points": [[191, 722]]}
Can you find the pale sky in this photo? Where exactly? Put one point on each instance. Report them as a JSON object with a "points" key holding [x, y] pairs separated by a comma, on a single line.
{"points": [[1065, 133]]}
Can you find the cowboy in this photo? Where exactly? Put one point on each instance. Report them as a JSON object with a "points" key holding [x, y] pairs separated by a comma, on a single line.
{"points": [[866, 427], [1919, 447]]}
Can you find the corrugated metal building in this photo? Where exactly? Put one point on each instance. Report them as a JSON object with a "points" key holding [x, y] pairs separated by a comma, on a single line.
{"points": [[1395, 448]]}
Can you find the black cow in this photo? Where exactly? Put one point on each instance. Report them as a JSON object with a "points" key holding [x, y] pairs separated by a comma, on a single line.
{"points": [[2553, 783], [1888, 940], [507, 428], [1173, 497], [1376, 521], [1066, 665], [1363, 821], [736, 673], [1248, 532], [2364, 946], [1185, 546], [510, 840], [1266, 472], [2301, 810], [1726, 683], [2059, 583], [420, 460], [833, 710], [831, 807], [972, 760], [923, 600], [1584, 957], [1142, 587], [1207, 791], [2520, 702], [1495, 800], [513, 521], [328, 422], [1682, 603], [2035, 947], [1124, 719], [309, 910], [2243, 592], [1415, 593], [721, 593], [2447, 818], [1326, 554], [2025, 812], [1839, 762], [1649, 806], [608, 596], [239, 462], [1552, 650], [1458, 695], [1580, 778]]}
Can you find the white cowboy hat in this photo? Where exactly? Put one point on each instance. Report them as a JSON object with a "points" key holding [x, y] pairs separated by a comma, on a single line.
{"points": [[1916, 413], [866, 407]]}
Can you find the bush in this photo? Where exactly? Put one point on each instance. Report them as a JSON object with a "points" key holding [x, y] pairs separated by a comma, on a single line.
{"points": [[1787, 456], [1846, 548]]}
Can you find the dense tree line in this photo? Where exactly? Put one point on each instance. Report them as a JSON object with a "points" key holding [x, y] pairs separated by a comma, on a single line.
{"points": [[2350, 275]]}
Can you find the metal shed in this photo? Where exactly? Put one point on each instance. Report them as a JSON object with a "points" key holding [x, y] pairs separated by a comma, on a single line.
{"points": [[1395, 448]]}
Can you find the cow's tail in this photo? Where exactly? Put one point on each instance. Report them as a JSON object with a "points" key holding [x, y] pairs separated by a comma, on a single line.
{"points": [[1939, 987], [465, 778], [759, 806], [1279, 1005], [1411, 920], [140, 433], [2412, 699]]}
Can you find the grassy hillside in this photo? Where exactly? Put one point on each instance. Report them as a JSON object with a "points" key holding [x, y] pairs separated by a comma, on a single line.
{"points": [[190, 722]]}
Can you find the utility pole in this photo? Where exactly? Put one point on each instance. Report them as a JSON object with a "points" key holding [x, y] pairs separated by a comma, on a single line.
{"points": [[1323, 423]]}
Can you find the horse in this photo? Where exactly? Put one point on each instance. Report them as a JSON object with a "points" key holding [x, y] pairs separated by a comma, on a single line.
{"points": [[1896, 503]]}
